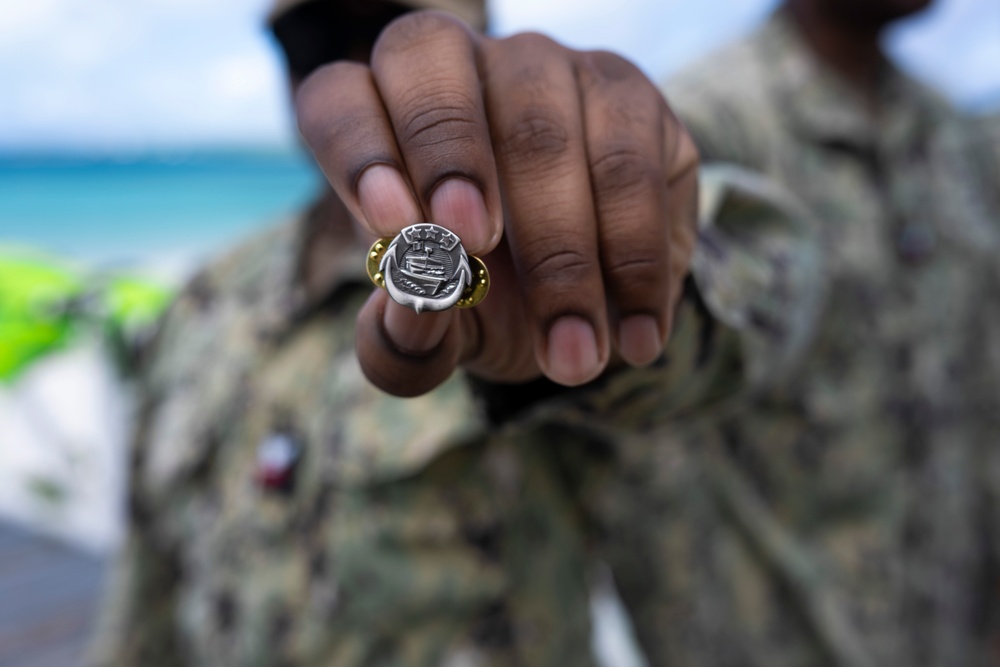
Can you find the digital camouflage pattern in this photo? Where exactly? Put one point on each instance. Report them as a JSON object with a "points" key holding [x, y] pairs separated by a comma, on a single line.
{"points": [[990, 128], [450, 529], [788, 495], [849, 515]]}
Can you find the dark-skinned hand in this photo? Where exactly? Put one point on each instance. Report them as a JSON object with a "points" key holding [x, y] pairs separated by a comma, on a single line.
{"points": [[565, 171]]}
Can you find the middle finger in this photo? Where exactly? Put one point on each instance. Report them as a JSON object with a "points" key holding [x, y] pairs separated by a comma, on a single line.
{"points": [[538, 134], [424, 66]]}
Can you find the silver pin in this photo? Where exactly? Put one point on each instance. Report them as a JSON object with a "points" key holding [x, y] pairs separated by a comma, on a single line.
{"points": [[426, 268]]}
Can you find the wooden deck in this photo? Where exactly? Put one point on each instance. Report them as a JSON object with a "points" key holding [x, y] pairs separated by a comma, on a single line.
{"points": [[48, 595]]}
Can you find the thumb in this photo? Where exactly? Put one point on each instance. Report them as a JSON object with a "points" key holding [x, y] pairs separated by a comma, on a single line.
{"points": [[404, 353]]}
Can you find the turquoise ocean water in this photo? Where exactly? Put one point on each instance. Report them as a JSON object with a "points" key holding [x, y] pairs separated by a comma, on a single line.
{"points": [[137, 211]]}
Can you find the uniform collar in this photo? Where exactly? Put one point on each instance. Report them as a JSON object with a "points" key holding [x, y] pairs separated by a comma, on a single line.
{"points": [[820, 105]]}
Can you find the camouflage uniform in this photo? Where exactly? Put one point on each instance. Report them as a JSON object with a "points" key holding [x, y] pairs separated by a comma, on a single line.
{"points": [[990, 129], [853, 519], [757, 505], [457, 528]]}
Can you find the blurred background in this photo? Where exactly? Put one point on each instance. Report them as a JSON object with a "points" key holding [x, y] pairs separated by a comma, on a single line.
{"points": [[139, 137]]}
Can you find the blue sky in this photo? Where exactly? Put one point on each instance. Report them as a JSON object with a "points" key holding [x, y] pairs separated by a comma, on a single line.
{"points": [[115, 75]]}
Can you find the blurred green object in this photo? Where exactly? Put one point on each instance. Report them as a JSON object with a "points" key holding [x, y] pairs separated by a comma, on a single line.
{"points": [[44, 303], [33, 318], [130, 308], [134, 303]]}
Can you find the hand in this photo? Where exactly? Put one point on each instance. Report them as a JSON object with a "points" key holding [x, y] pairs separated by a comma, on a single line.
{"points": [[564, 171]]}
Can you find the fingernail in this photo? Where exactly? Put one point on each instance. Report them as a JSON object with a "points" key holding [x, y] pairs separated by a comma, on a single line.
{"points": [[386, 200], [639, 340], [572, 355], [412, 333], [458, 205]]}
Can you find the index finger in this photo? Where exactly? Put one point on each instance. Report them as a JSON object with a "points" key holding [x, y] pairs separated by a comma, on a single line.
{"points": [[425, 68], [408, 140]]}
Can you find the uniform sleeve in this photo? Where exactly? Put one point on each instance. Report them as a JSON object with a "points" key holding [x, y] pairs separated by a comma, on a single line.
{"points": [[136, 624], [983, 145], [723, 102], [759, 268], [717, 127], [138, 620], [749, 311]]}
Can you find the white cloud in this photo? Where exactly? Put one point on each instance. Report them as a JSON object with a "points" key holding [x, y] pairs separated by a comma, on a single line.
{"points": [[658, 35], [956, 47], [228, 9], [47, 104], [23, 21], [138, 73], [243, 76], [156, 72], [66, 34]]}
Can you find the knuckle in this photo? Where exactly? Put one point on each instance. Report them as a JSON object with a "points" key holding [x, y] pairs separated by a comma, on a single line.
{"points": [[640, 267], [418, 28], [444, 122], [557, 268], [313, 101], [620, 172], [533, 42], [605, 66], [536, 136], [615, 78]]}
